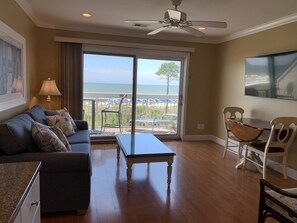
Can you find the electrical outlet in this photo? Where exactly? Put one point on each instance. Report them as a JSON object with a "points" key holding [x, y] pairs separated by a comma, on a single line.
{"points": [[200, 126]]}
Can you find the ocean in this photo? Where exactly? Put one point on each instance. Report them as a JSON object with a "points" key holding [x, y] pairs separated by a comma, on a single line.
{"points": [[127, 88]]}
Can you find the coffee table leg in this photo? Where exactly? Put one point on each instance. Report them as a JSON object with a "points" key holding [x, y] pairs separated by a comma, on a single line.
{"points": [[118, 153], [129, 174], [169, 171]]}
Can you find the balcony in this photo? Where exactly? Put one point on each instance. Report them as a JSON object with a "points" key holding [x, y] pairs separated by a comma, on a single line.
{"points": [[155, 114]]}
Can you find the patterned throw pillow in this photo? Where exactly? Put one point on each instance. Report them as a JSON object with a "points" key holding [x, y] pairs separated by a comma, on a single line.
{"points": [[71, 119], [62, 121], [46, 139], [58, 112], [61, 136]]}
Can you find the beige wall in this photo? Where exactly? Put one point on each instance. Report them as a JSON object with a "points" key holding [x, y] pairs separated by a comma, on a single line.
{"points": [[230, 78], [13, 16]]}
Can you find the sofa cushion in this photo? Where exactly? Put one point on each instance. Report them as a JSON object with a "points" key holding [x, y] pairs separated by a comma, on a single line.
{"points": [[16, 135], [62, 121], [37, 114], [81, 136], [81, 148]]}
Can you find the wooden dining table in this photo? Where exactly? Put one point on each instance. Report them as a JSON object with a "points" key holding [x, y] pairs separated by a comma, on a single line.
{"points": [[257, 123], [246, 131]]}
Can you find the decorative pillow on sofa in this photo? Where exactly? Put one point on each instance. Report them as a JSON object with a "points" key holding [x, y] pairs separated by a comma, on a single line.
{"points": [[61, 136], [62, 121], [46, 139], [59, 112]]}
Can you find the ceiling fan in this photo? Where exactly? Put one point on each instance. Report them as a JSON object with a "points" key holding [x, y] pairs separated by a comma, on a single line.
{"points": [[178, 19]]}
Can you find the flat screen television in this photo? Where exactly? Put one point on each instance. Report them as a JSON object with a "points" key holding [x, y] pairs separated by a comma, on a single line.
{"points": [[272, 76]]}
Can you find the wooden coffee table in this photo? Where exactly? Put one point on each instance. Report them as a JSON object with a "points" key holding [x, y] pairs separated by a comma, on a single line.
{"points": [[143, 148]]}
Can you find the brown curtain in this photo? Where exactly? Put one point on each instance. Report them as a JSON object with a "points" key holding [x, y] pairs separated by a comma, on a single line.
{"points": [[71, 80]]}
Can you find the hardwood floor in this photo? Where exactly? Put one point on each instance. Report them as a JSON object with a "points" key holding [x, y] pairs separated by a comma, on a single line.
{"points": [[204, 188]]}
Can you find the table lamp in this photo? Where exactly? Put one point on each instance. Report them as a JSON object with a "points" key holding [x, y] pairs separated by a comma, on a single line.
{"points": [[49, 88], [17, 85]]}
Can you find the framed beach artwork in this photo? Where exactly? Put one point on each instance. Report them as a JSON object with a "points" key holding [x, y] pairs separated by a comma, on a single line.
{"points": [[12, 68]]}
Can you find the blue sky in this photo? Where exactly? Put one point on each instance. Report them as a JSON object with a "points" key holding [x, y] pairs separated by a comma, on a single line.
{"points": [[119, 70]]}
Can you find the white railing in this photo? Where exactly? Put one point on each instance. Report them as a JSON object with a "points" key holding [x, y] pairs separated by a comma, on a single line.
{"points": [[147, 106]]}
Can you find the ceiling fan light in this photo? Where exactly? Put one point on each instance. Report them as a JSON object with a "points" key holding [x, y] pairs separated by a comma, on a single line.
{"points": [[174, 15], [201, 28], [86, 15]]}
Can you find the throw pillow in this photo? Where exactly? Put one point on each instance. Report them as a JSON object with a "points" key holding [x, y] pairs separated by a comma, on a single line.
{"points": [[61, 136], [62, 121], [58, 112], [46, 139], [71, 119]]}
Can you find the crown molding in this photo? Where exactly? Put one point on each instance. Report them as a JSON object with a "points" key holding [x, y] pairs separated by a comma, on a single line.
{"points": [[266, 26], [32, 15]]}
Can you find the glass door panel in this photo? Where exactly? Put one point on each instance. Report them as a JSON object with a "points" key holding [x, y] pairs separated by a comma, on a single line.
{"points": [[158, 87], [107, 93]]}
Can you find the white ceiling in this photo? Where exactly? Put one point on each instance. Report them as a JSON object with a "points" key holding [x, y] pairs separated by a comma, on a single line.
{"points": [[242, 16]]}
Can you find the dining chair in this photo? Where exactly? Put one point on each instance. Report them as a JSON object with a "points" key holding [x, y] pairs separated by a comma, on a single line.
{"points": [[117, 111], [281, 136], [232, 141], [279, 204]]}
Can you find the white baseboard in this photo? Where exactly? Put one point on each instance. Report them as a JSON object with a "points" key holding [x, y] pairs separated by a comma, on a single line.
{"points": [[279, 168], [196, 137], [272, 164]]}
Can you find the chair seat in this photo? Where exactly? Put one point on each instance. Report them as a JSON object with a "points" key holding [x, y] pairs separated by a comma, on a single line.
{"points": [[261, 147], [110, 110], [288, 201]]}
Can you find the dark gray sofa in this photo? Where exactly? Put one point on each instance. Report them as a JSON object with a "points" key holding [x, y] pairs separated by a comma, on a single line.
{"points": [[65, 177]]}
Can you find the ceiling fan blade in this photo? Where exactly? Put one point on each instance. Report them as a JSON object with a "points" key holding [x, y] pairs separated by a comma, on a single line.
{"points": [[214, 24], [157, 30], [144, 21], [193, 31]]}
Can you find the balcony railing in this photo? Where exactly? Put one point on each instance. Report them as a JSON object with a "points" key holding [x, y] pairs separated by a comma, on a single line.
{"points": [[148, 107]]}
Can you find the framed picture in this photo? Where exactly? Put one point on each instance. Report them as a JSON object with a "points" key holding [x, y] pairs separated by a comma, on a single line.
{"points": [[13, 90]]}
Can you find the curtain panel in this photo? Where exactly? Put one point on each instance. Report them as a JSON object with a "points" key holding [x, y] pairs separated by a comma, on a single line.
{"points": [[71, 79]]}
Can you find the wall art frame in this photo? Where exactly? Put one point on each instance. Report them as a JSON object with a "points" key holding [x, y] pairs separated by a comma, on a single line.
{"points": [[13, 90]]}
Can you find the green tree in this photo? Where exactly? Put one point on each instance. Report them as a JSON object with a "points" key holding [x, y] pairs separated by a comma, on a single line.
{"points": [[168, 71]]}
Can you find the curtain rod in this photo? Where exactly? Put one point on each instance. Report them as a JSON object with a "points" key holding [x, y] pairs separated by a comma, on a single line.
{"points": [[123, 44]]}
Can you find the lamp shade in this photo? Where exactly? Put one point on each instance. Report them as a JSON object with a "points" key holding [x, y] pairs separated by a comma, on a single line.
{"points": [[49, 88], [17, 85]]}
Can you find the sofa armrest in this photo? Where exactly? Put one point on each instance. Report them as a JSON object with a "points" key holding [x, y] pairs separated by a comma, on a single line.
{"points": [[54, 162], [81, 124]]}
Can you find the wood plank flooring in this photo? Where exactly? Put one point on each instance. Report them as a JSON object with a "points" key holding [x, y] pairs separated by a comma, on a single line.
{"points": [[204, 188]]}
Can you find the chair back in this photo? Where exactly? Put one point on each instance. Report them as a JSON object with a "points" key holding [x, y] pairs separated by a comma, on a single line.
{"points": [[282, 133], [123, 96], [232, 113]]}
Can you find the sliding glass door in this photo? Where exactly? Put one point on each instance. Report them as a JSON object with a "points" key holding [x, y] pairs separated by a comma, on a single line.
{"points": [[157, 96], [132, 94], [107, 93]]}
